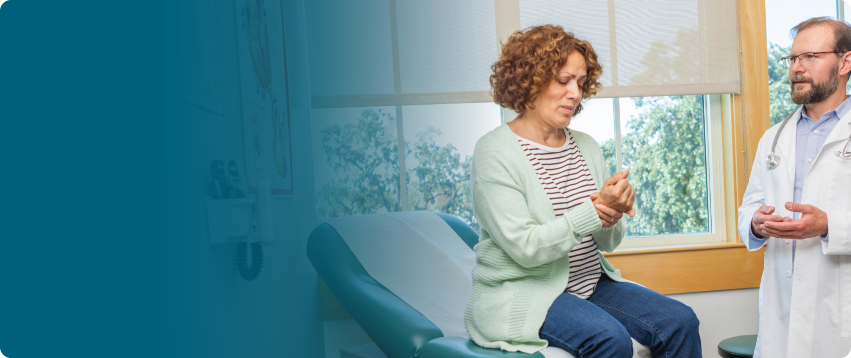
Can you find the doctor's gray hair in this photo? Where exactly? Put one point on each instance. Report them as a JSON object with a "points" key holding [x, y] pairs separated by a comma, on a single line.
{"points": [[841, 31]]}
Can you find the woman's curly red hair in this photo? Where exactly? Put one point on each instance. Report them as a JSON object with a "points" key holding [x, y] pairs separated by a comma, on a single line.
{"points": [[531, 59]]}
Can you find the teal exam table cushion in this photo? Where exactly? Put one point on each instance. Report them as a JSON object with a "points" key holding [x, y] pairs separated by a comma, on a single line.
{"points": [[398, 329]]}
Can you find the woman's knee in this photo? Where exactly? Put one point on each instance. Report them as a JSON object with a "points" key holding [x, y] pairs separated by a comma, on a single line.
{"points": [[614, 341], [683, 334], [692, 323], [685, 319], [601, 339]]}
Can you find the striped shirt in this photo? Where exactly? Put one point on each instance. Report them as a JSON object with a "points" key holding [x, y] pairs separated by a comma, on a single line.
{"points": [[567, 181]]}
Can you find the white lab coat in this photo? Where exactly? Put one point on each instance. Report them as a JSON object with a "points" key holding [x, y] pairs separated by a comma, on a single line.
{"points": [[805, 311]]}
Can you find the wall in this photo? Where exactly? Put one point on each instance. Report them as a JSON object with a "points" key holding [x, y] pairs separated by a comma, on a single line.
{"points": [[276, 315], [723, 314]]}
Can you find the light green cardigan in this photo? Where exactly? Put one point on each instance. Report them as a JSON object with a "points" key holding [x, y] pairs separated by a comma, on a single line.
{"points": [[522, 260]]}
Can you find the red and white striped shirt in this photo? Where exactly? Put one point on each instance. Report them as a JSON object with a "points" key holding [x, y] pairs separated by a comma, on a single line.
{"points": [[567, 181]]}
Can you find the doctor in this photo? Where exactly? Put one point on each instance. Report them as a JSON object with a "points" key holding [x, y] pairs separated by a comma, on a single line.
{"points": [[798, 203]]}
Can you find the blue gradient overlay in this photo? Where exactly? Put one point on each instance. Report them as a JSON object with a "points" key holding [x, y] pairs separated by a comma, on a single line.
{"points": [[104, 245]]}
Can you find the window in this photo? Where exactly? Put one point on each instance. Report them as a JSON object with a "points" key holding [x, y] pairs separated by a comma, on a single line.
{"points": [[357, 166], [361, 68], [398, 135], [665, 141], [443, 137], [668, 143]]}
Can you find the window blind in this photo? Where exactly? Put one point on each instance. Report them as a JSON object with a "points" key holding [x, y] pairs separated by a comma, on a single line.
{"points": [[652, 47], [407, 52]]}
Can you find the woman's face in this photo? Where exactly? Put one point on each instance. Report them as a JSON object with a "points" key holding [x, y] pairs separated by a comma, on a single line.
{"points": [[555, 105]]}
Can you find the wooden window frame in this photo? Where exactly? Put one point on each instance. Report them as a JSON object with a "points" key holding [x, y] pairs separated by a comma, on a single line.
{"points": [[715, 116], [727, 265]]}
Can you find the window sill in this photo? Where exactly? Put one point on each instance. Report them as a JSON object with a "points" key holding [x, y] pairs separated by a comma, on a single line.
{"points": [[685, 269], [672, 248]]}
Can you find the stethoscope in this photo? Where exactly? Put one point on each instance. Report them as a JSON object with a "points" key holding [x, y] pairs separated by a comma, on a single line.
{"points": [[772, 160]]}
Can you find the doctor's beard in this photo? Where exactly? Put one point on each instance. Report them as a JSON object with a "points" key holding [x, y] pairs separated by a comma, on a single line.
{"points": [[818, 91]]}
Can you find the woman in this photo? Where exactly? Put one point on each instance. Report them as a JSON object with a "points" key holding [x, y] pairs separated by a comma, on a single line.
{"points": [[545, 207]]}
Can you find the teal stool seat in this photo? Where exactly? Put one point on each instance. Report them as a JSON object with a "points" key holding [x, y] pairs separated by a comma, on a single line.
{"points": [[739, 346]]}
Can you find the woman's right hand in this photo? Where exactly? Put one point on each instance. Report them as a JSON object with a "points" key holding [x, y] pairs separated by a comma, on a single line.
{"points": [[608, 216], [617, 193]]}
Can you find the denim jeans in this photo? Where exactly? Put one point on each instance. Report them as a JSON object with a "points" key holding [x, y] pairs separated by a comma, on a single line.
{"points": [[602, 325]]}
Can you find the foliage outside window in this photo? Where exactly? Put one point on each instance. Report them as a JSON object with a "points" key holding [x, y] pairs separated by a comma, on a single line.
{"points": [[779, 88], [364, 157], [664, 146], [665, 150]]}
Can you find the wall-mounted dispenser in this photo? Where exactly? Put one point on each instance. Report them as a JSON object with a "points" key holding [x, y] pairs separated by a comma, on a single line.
{"points": [[234, 218]]}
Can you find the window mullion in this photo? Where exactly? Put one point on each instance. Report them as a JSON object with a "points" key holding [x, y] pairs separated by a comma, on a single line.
{"points": [[618, 144], [709, 139], [403, 171], [715, 165], [397, 88]]}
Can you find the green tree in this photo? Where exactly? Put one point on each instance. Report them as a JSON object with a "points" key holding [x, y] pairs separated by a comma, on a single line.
{"points": [[779, 95], [665, 150], [441, 182], [364, 156], [609, 155]]}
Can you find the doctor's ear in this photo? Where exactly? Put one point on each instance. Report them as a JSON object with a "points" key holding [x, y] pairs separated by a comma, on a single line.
{"points": [[845, 64]]}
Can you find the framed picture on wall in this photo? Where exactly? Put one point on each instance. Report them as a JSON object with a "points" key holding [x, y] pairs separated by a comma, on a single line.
{"points": [[265, 94]]}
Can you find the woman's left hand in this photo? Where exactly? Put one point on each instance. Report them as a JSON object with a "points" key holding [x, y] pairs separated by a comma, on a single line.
{"points": [[608, 216]]}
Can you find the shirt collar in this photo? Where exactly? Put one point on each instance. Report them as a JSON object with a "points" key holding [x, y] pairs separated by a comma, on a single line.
{"points": [[839, 112]]}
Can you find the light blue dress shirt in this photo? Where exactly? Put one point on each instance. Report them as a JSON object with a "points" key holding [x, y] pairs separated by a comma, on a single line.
{"points": [[810, 138]]}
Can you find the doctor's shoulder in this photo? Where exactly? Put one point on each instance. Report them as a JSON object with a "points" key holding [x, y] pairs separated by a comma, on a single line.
{"points": [[771, 133]]}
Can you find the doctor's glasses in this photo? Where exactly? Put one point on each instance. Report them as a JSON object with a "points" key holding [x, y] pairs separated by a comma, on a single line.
{"points": [[806, 58]]}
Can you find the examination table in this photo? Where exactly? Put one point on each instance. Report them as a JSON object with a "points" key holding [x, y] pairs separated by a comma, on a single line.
{"points": [[397, 329]]}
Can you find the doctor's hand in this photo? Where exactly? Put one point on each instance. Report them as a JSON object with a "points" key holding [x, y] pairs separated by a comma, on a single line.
{"points": [[617, 193], [813, 222], [762, 215], [608, 216]]}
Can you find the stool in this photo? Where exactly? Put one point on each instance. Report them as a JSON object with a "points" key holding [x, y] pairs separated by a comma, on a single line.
{"points": [[736, 347]]}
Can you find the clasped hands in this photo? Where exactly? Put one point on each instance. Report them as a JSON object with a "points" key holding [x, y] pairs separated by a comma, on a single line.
{"points": [[615, 198], [813, 222]]}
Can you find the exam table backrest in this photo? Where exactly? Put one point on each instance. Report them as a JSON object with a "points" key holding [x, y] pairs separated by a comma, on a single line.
{"points": [[398, 329]]}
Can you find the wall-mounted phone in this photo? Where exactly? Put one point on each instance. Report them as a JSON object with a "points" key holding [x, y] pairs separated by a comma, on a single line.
{"points": [[225, 180], [234, 218]]}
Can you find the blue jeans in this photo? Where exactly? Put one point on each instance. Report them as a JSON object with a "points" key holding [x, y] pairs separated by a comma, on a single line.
{"points": [[602, 325]]}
